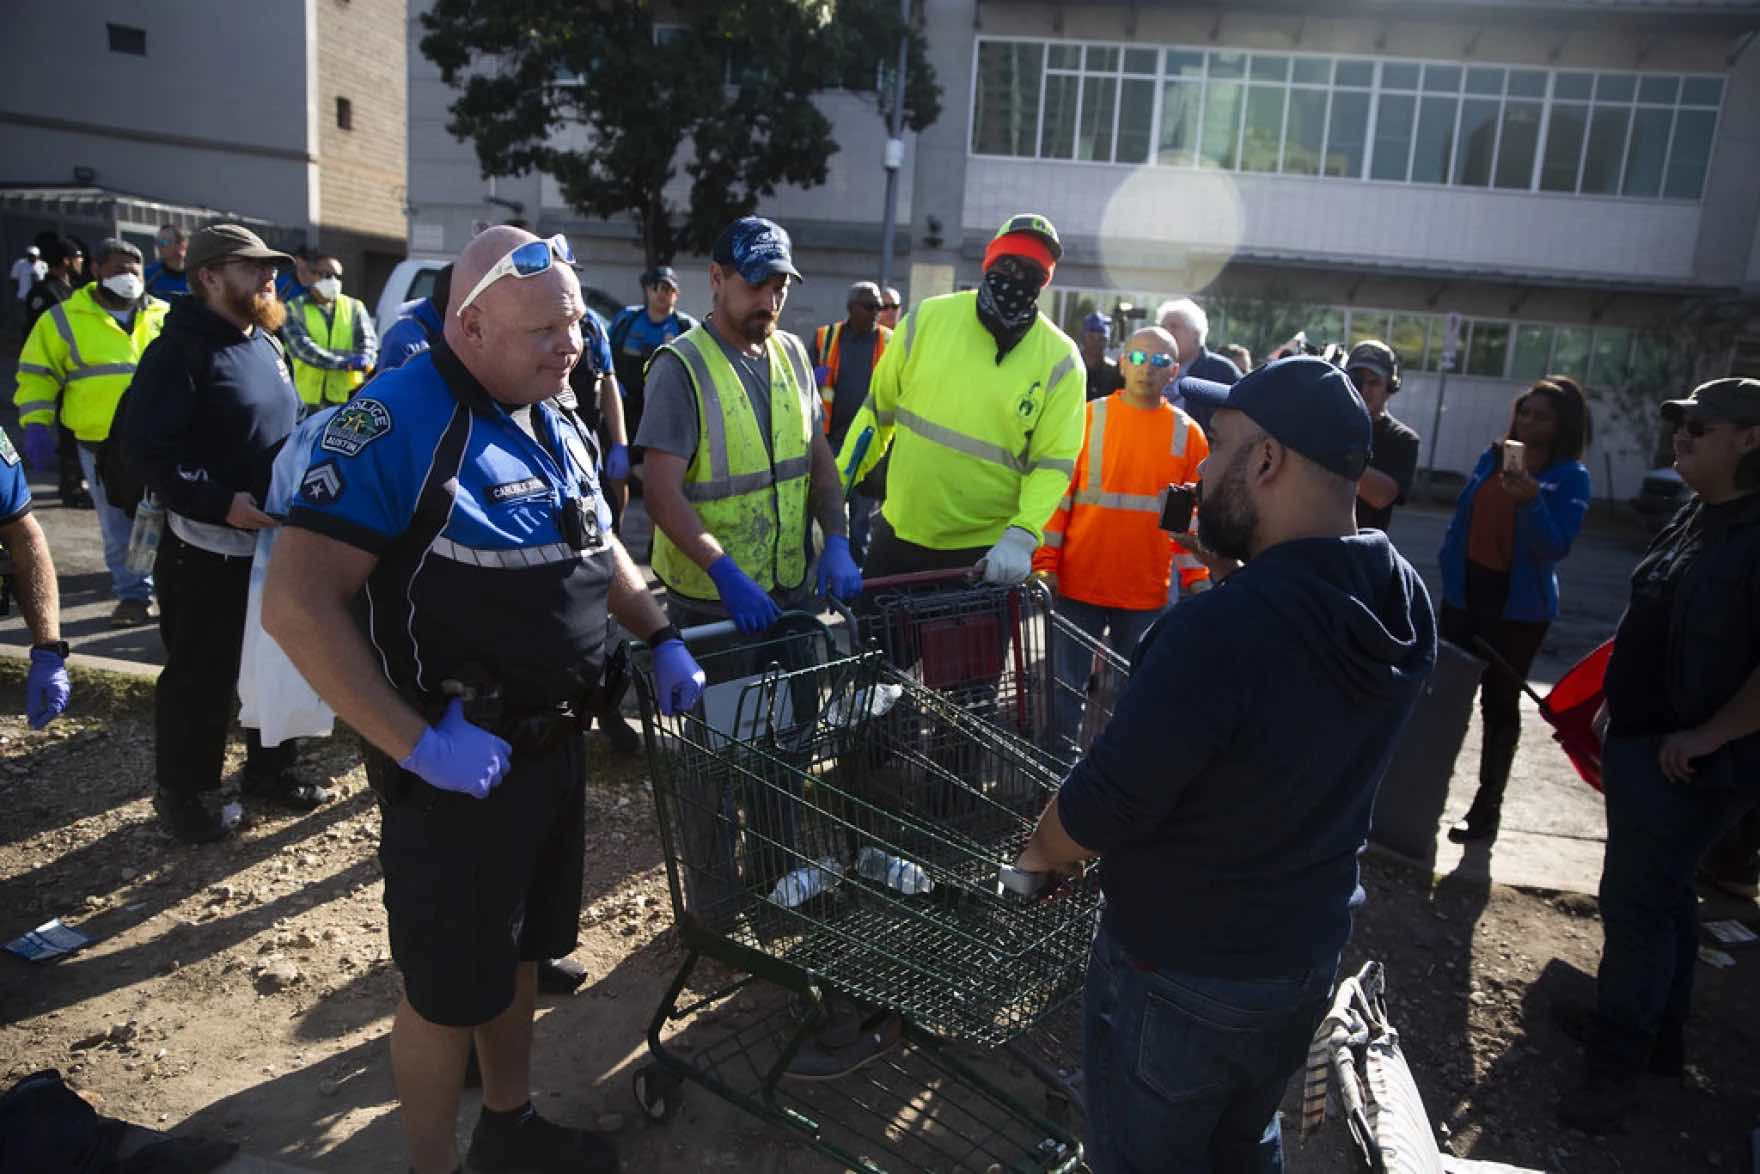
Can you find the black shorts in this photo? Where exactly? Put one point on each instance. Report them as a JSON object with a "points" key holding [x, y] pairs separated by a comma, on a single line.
{"points": [[473, 887]]}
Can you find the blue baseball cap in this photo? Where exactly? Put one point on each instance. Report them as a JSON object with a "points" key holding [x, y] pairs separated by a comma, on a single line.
{"points": [[756, 248], [1098, 321], [1305, 403]]}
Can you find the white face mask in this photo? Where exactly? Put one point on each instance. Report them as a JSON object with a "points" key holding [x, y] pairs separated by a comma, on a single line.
{"points": [[328, 288], [127, 286]]}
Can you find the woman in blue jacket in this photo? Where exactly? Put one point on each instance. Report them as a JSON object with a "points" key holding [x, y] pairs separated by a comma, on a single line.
{"points": [[1499, 567]]}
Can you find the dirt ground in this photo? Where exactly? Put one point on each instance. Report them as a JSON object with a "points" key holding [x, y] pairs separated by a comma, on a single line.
{"points": [[243, 990]]}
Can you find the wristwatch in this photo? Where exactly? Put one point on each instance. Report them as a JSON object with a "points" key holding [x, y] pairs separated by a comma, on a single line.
{"points": [[58, 647]]}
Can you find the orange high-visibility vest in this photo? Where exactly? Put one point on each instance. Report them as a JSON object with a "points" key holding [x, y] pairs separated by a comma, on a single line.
{"points": [[1105, 543], [826, 354]]}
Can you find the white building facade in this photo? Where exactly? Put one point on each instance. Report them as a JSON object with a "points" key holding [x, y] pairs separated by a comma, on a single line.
{"points": [[1563, 179]]}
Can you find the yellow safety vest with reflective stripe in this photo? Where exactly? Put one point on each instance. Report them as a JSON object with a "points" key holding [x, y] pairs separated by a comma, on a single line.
{"points": [[977, 446], [334, 332], [79, 360], [751, 497]]}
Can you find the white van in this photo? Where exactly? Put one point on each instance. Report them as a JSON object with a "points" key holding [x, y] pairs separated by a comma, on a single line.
{"points": [[413, 280]]}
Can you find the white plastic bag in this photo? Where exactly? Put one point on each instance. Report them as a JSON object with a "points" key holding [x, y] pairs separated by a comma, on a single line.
{"points": [[274, 699]]}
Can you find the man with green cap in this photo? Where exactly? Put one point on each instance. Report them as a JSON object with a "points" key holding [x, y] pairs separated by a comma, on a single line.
{"points": [[981, 399]]}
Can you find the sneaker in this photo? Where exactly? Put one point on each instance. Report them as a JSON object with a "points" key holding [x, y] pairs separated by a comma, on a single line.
{"points": [[837, 1050], [527, 1142], [196, 819], [77, 499], [131, 613], [286, 789], [560, 976], [1601, 1105]]}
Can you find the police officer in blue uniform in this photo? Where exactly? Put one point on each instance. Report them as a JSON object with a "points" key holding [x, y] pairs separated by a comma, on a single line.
{"points": [[443, 583], [31, 578]]}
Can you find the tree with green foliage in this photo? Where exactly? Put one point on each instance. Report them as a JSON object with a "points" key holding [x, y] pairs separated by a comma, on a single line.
{"points": [[612, 102]]}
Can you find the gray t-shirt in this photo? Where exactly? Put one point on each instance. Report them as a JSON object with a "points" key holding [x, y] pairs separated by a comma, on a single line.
{"points": [[669, 411], [670, 425]]}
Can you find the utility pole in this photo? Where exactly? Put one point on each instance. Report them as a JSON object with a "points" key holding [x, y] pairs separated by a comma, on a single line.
{"points": [[895, 147]]}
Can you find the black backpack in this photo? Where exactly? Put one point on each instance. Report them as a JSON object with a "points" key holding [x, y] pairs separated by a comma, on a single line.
{"points": [[124, 486]]}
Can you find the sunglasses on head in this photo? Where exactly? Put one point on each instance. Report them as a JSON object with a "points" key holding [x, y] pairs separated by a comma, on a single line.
{"points": [[527, 260], [1155, 360]]}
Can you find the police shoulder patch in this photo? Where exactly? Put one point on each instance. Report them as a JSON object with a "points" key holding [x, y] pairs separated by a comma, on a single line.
{"points": [[322, 483], [7, 452], [355, 425]]}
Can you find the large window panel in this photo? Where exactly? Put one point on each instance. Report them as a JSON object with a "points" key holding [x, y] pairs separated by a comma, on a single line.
{"points": [[1367, 324], [1518, 144], [1405, 334], [1058, 138], [1607, 362], [1607, 149], [1644, 158], [1099, 104], [1263, 138], [1690, 155], [1564, 147], [1347, 131], [1179, 123], [1488, 349], [1393, 136], [1223, 105], [1307, 131], [1533, 351], [1478, 141], [1570, 353], [1312, 70], [1007, 114], [1136, 118], [1432, 156]]}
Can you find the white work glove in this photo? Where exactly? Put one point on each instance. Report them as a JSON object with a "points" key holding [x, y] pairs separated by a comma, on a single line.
{"points": [[1010, 561]]}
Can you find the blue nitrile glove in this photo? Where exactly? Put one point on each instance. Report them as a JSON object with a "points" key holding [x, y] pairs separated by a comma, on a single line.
{"points": [[46, 687], [39, 446], [455, 755], [358, 362], [617, 463], [750, 605], [838, 570], [678, 678]]}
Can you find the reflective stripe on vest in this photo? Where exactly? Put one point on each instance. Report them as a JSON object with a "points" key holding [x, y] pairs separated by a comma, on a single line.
{"points": [[753, 502], [971, 446], [1092, 493], [316, 384], [89, 389], [514, 559]]}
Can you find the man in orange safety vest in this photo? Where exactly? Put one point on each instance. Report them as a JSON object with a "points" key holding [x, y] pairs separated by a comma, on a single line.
{"points": [[1105, 556]]}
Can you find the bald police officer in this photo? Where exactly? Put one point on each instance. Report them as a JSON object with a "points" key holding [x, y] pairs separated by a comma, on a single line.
{"points": [[467, 508]]}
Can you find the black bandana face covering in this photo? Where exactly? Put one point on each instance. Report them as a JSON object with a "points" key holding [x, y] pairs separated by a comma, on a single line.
{"points": [[1008, 300]]}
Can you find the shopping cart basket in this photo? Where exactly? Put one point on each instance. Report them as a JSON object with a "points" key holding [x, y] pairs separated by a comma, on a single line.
{"points": [[1082, 699], [798, 857]]}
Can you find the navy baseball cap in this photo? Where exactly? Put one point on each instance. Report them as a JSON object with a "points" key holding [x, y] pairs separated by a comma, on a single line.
{"points": [[758, 249], [1305, 403], [660, 275], [1099, 322]]}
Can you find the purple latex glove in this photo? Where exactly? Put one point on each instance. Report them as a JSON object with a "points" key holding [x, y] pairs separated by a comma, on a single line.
{"points": [[678, 679], [455, 755], [358, 363], [750, 605], [838, 571], [39, 446], [617, 463], [822, 375], [46, 688]]}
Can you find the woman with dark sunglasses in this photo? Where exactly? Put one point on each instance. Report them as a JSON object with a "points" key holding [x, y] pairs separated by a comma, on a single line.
{"points": [[1681, 760], [1515, 522]]}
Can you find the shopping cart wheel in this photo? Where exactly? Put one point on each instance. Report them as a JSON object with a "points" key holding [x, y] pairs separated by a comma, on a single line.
{"points": [[658, 1092]]}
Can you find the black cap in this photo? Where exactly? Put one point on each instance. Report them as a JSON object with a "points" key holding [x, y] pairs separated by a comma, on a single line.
{"points": [[1306, 403], [1722, 399], [1374, 355], [758, 249], [660, 275]]}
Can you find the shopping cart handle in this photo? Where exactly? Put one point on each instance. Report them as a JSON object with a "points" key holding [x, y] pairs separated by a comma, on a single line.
{"points": [[709, 631], [921, 579]]}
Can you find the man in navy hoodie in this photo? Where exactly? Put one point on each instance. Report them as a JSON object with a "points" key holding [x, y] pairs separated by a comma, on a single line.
{"points": [[1230, 795]]}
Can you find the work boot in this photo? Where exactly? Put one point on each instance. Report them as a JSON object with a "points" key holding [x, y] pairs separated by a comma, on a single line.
{"points": [[200, 818], [520, 1140], [1496, 756]]}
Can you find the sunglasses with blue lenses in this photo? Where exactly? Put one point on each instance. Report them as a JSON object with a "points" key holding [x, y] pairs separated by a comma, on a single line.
{"points": [[1157, 360], [527, 260]]}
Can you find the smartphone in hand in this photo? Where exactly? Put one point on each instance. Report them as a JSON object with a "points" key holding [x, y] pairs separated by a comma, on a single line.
{"points": [[1515, 458]]}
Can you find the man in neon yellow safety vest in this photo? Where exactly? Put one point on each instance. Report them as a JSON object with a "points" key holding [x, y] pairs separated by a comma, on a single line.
{"points": [[980, 399], [330, 338], [738, 467]]}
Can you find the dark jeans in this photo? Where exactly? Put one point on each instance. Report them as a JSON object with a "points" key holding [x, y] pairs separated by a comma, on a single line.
{"points": [[1656, 832], [1185, 1072], [1073, 662], [202, 600], [1517, 641]]}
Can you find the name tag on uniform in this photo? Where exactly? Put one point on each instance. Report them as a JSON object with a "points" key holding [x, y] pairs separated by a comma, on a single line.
{"points": [[508, 491]]}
